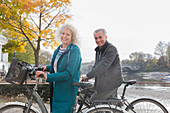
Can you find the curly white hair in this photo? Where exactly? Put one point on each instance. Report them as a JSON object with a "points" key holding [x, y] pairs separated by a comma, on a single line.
{"points": [[72, 29]]}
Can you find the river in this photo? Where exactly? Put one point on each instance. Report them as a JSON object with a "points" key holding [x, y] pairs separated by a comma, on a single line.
{"points": [[147, 76], [149, 84]]}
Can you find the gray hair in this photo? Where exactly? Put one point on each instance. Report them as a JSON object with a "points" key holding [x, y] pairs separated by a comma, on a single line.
{"points": [[101, 29], [72, 29]]}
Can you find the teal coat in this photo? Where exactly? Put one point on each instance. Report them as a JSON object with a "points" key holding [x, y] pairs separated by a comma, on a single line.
{"points": [[68, 71]]}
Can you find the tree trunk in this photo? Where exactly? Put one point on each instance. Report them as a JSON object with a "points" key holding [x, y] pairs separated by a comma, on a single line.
{"points": [[36, 54]]}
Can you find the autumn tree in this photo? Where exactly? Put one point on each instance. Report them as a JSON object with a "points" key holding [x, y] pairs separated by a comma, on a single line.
{"points": [[27, 56], [32, 21]]}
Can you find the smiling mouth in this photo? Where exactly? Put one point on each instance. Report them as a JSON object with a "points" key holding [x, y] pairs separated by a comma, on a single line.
{"points": [[64, 39], [99, 43]]}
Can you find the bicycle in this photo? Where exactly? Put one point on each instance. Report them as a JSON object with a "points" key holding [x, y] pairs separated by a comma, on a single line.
{"points": [[116, 105], [19, 72]]}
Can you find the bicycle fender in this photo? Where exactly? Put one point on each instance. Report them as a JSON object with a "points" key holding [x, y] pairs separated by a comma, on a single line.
{"points": [[22, 104]]}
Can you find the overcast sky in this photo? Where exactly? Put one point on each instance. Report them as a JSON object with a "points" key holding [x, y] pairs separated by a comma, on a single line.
{"points": [[131, 25]]}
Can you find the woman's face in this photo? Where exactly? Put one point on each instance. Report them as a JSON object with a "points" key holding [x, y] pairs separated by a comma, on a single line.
{"points": [[66, 36]]}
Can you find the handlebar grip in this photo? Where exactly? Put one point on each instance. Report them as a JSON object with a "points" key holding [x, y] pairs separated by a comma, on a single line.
{"points": [[41, 75], [39, 69], [83, 80]]}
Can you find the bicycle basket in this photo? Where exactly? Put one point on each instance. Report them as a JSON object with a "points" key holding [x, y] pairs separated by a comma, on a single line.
{"points": [[17, 72]]}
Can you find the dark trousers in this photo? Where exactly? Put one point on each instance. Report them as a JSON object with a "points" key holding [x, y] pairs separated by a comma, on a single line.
{"points": [[104, 95]]}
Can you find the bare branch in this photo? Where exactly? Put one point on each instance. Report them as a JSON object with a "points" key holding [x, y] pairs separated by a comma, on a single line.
{"points": [[34, 22], [52, 20], [26, 35]]}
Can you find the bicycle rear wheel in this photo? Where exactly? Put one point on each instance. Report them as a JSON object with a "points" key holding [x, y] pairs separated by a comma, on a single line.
{"points": [[14, 109], [146, 105], [104, 110]]}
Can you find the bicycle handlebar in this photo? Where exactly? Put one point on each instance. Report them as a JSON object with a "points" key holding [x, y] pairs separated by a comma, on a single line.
{"points": [[33, 72]]}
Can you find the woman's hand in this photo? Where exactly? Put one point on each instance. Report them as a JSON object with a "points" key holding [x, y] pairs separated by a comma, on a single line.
{"points": [[44, 68], [40, 73]]}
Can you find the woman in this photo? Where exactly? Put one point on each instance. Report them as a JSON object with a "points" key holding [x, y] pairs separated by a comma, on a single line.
{"points": [[64, 69]]}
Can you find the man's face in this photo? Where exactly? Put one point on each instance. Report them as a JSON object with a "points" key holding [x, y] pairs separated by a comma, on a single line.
{"points": [[100, 38]]}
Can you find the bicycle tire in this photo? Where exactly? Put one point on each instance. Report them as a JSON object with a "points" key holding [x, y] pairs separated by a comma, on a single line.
{"points": [[104, 110], [14, 109], [146, 105]]}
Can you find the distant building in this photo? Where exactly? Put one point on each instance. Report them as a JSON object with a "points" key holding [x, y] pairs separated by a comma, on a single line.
{"points": [[3, 57]]}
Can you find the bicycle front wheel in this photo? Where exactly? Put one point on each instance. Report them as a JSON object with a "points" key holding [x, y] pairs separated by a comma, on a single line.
{"points": [[146, 105], [14, 109]]}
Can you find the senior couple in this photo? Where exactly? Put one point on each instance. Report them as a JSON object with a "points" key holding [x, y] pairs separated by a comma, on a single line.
{"points": [[65, 69]]}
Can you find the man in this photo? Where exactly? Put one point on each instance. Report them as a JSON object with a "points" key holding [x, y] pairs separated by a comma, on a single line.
{"points": [[106, 70]]}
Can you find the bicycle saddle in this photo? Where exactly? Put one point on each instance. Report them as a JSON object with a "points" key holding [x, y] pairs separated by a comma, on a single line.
{"points": [[130, 82], [82, 84]]}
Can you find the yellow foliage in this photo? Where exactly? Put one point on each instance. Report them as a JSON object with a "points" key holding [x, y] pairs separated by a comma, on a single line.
{"points": [[45, 43], [19, 20], [52, 46], [56, 43], [60, 16], [3, 6], [25, 43], [21, 49], [56, 24], [51, 39], [63, 21], [67, 16]]}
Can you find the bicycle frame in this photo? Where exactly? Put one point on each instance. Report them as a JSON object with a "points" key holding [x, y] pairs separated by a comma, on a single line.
{"points": [[83, 101], [39, 101], [35, 96]]}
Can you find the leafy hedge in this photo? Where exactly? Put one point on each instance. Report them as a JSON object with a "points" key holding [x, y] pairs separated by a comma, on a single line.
{"points": [[8, 90]]}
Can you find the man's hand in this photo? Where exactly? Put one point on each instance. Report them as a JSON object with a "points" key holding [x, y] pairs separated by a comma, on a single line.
{"points": [[85, 78]]}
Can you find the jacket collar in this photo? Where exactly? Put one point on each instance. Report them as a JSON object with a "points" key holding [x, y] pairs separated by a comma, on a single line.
{"points": [[103, 47], [68, 47]]}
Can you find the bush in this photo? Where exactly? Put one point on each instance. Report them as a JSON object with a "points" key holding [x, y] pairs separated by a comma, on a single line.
{"points": [[16, 92]]}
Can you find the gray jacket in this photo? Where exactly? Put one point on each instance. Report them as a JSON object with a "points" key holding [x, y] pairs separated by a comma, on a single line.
{"points": [[106, 70]]}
